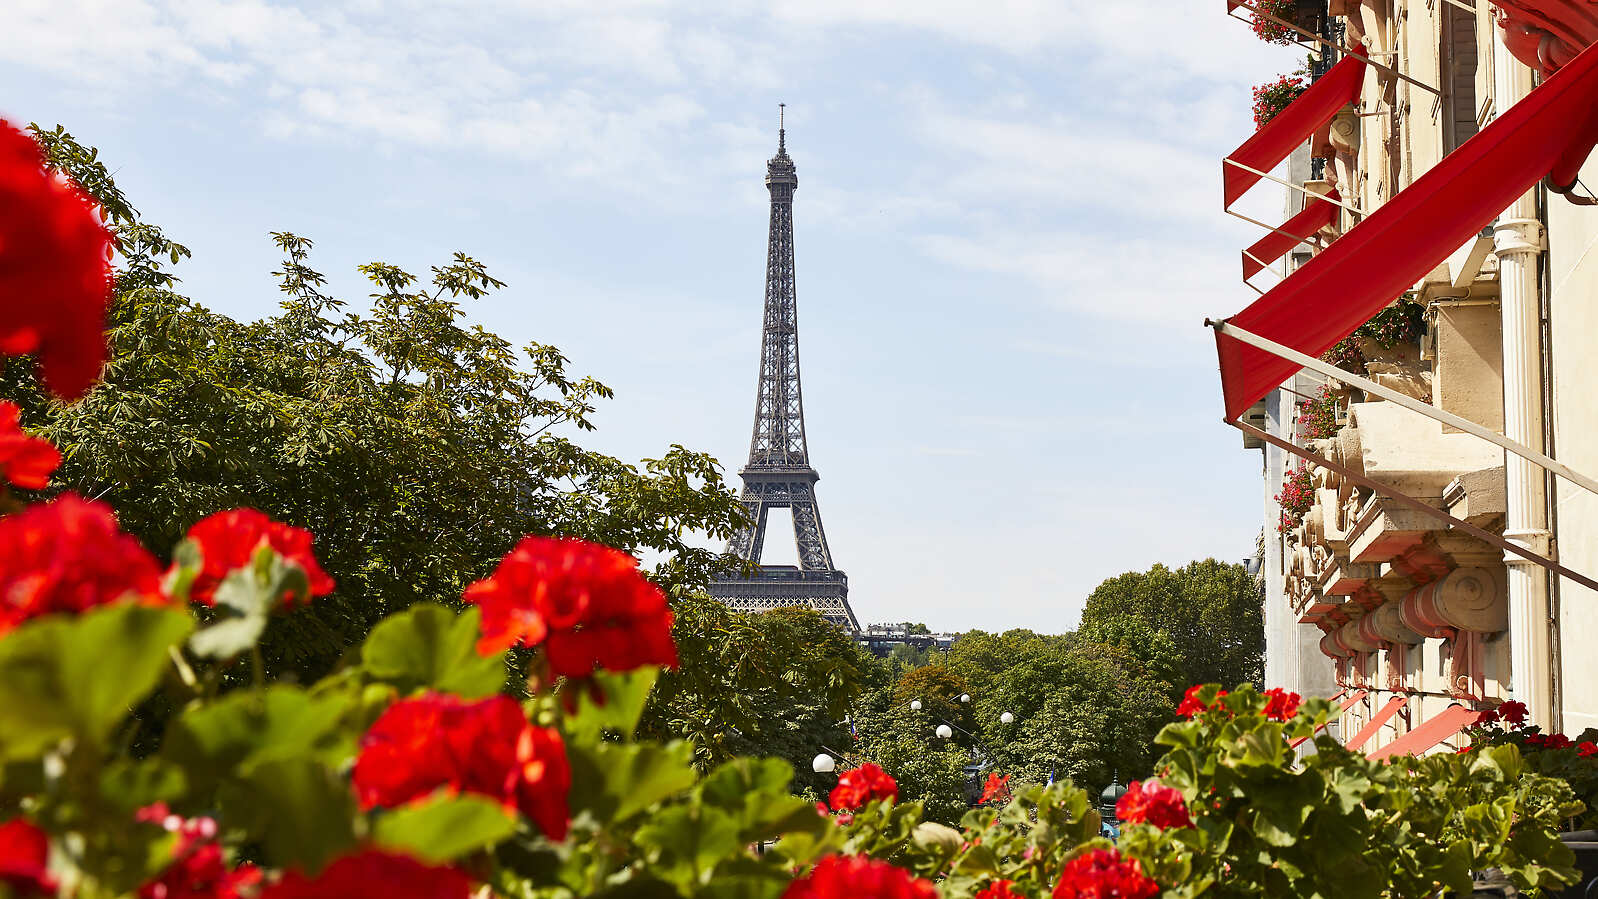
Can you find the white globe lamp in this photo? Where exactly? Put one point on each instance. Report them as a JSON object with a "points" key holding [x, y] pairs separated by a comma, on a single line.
{"points": [[824, 764], [915, 705], [1006, 718], [944, 732], [965, 697]]}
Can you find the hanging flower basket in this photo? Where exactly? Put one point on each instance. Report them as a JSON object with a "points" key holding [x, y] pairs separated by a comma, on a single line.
{"points": [[1272, 97], [1306, 14], [1317, 418], [1296, 499]]}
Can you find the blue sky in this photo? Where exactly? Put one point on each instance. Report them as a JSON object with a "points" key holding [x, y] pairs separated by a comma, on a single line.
{"points": [[1008, 232]]}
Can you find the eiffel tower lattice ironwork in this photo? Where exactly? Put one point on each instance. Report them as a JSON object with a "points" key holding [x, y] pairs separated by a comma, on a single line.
{"points": [[779, 474]]}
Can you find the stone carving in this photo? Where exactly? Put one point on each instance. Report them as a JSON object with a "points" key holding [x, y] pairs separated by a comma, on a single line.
{"points": [[1468, 599]]}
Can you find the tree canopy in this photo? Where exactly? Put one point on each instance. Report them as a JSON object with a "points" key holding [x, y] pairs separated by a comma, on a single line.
{"points": [[1211, 611]]}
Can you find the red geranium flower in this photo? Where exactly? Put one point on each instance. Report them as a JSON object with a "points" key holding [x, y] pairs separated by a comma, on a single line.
{"points": [[487, 747], [1154, 803], [1191, 704], [25, 859], [25, 460], [203, 874], [1104, 874], [373, 873], [588, 605], [999, 889], [70, 556], [228, 540], [1282, 705], [856, 877], [861, 785], [1586, 749], [996, 788], [55, 269], [1513, 712]]}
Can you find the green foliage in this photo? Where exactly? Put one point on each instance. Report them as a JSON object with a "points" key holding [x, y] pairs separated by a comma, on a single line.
{"points": [[431, 647], [1211, 611]]}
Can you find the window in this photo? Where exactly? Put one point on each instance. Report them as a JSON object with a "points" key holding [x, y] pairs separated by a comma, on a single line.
{"points": [[1457, 57]]}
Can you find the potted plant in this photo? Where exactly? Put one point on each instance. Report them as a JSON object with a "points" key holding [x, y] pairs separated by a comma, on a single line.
{"points": [[1305, 14], [1272, 97]]}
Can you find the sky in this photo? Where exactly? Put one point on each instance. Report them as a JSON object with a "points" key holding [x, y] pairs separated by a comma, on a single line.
{"points": [[1008, 233]]}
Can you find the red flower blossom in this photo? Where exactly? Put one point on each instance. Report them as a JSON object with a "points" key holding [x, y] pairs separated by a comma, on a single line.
{"points": [[856, 877], [202, 874], [55, 269], [1153, 803], [25, 858], [228, 540], [70, 556], [996, 788], [1513, 712], [487, 747], [25, 460], [999, 889], [1282, 705], [1586, 749], [1191, 704], [861, 785], [588, 605], [1104, 874], [373, 873]]}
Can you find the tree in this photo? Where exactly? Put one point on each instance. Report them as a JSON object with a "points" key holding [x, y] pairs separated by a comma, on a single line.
{"points": [[417, 447], [1211, 611]]}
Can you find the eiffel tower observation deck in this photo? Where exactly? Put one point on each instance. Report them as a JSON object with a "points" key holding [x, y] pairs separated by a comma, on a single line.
{"points": [[779, 473]]}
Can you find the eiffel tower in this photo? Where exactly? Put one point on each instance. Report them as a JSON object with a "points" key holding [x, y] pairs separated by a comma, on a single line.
{"points": [[779, 474]]}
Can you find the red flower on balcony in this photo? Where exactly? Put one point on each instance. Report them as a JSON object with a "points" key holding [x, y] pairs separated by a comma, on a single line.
{"points": [[70, 556], [1272, 97], [588, 605], [228, 540], [438, 741], [861, 785], [25, 460], [1153, 803], [856, 877], [1104, 874], [1273, 32], [373, 873], [24, 859], [1586, 749], [55, 269], [1281, 705]]}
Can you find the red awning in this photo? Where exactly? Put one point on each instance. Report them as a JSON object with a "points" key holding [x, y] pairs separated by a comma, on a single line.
{"points": [[1334, 293], [1376, 722], [1451, 721], [1292, 126], [1349, 702], [1317, 214]]}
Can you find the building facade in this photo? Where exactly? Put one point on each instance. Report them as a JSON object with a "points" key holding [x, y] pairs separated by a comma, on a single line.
{"points": [[1405, 617]]}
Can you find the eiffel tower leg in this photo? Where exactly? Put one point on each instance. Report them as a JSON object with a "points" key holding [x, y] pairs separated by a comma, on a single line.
{"points": [[808, 536]]}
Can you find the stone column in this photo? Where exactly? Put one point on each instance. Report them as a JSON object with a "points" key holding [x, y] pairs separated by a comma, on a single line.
{"points": [[1517, 240]]}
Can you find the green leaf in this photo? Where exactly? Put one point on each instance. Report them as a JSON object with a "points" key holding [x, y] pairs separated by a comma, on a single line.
{"points": [[247, 728], [299, 809], [613, 781], [686, 842], [444, 828], [430, 646], [79, 676], [620, 702], [131, 785], [245, 599]]}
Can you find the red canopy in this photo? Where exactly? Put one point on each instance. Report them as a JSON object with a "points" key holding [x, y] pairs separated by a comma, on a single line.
{"points": [[1384, 255], [1451, 721], [1292, 126], [1376, 722], [1317, 214]]}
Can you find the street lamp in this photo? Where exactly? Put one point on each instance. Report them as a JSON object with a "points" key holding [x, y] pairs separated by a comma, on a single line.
{"points": [[915, 705], [1006, 718], [824, 764], [965, 697], [944, 732]]}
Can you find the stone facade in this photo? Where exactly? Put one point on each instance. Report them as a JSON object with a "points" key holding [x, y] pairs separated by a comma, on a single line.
{"points": [[1392, 601]]}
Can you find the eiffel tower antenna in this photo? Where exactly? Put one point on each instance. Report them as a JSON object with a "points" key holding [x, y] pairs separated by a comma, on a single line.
{"points": [[779, 474]]}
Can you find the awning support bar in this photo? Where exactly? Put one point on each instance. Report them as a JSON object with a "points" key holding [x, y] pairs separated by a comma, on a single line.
{"points": [[1310, 194], [1417, 505], [1408, 402], [1278, 230], [1344, 50]]}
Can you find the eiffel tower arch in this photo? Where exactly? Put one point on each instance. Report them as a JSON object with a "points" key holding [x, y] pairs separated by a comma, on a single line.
{"points": [[779, 473]]}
